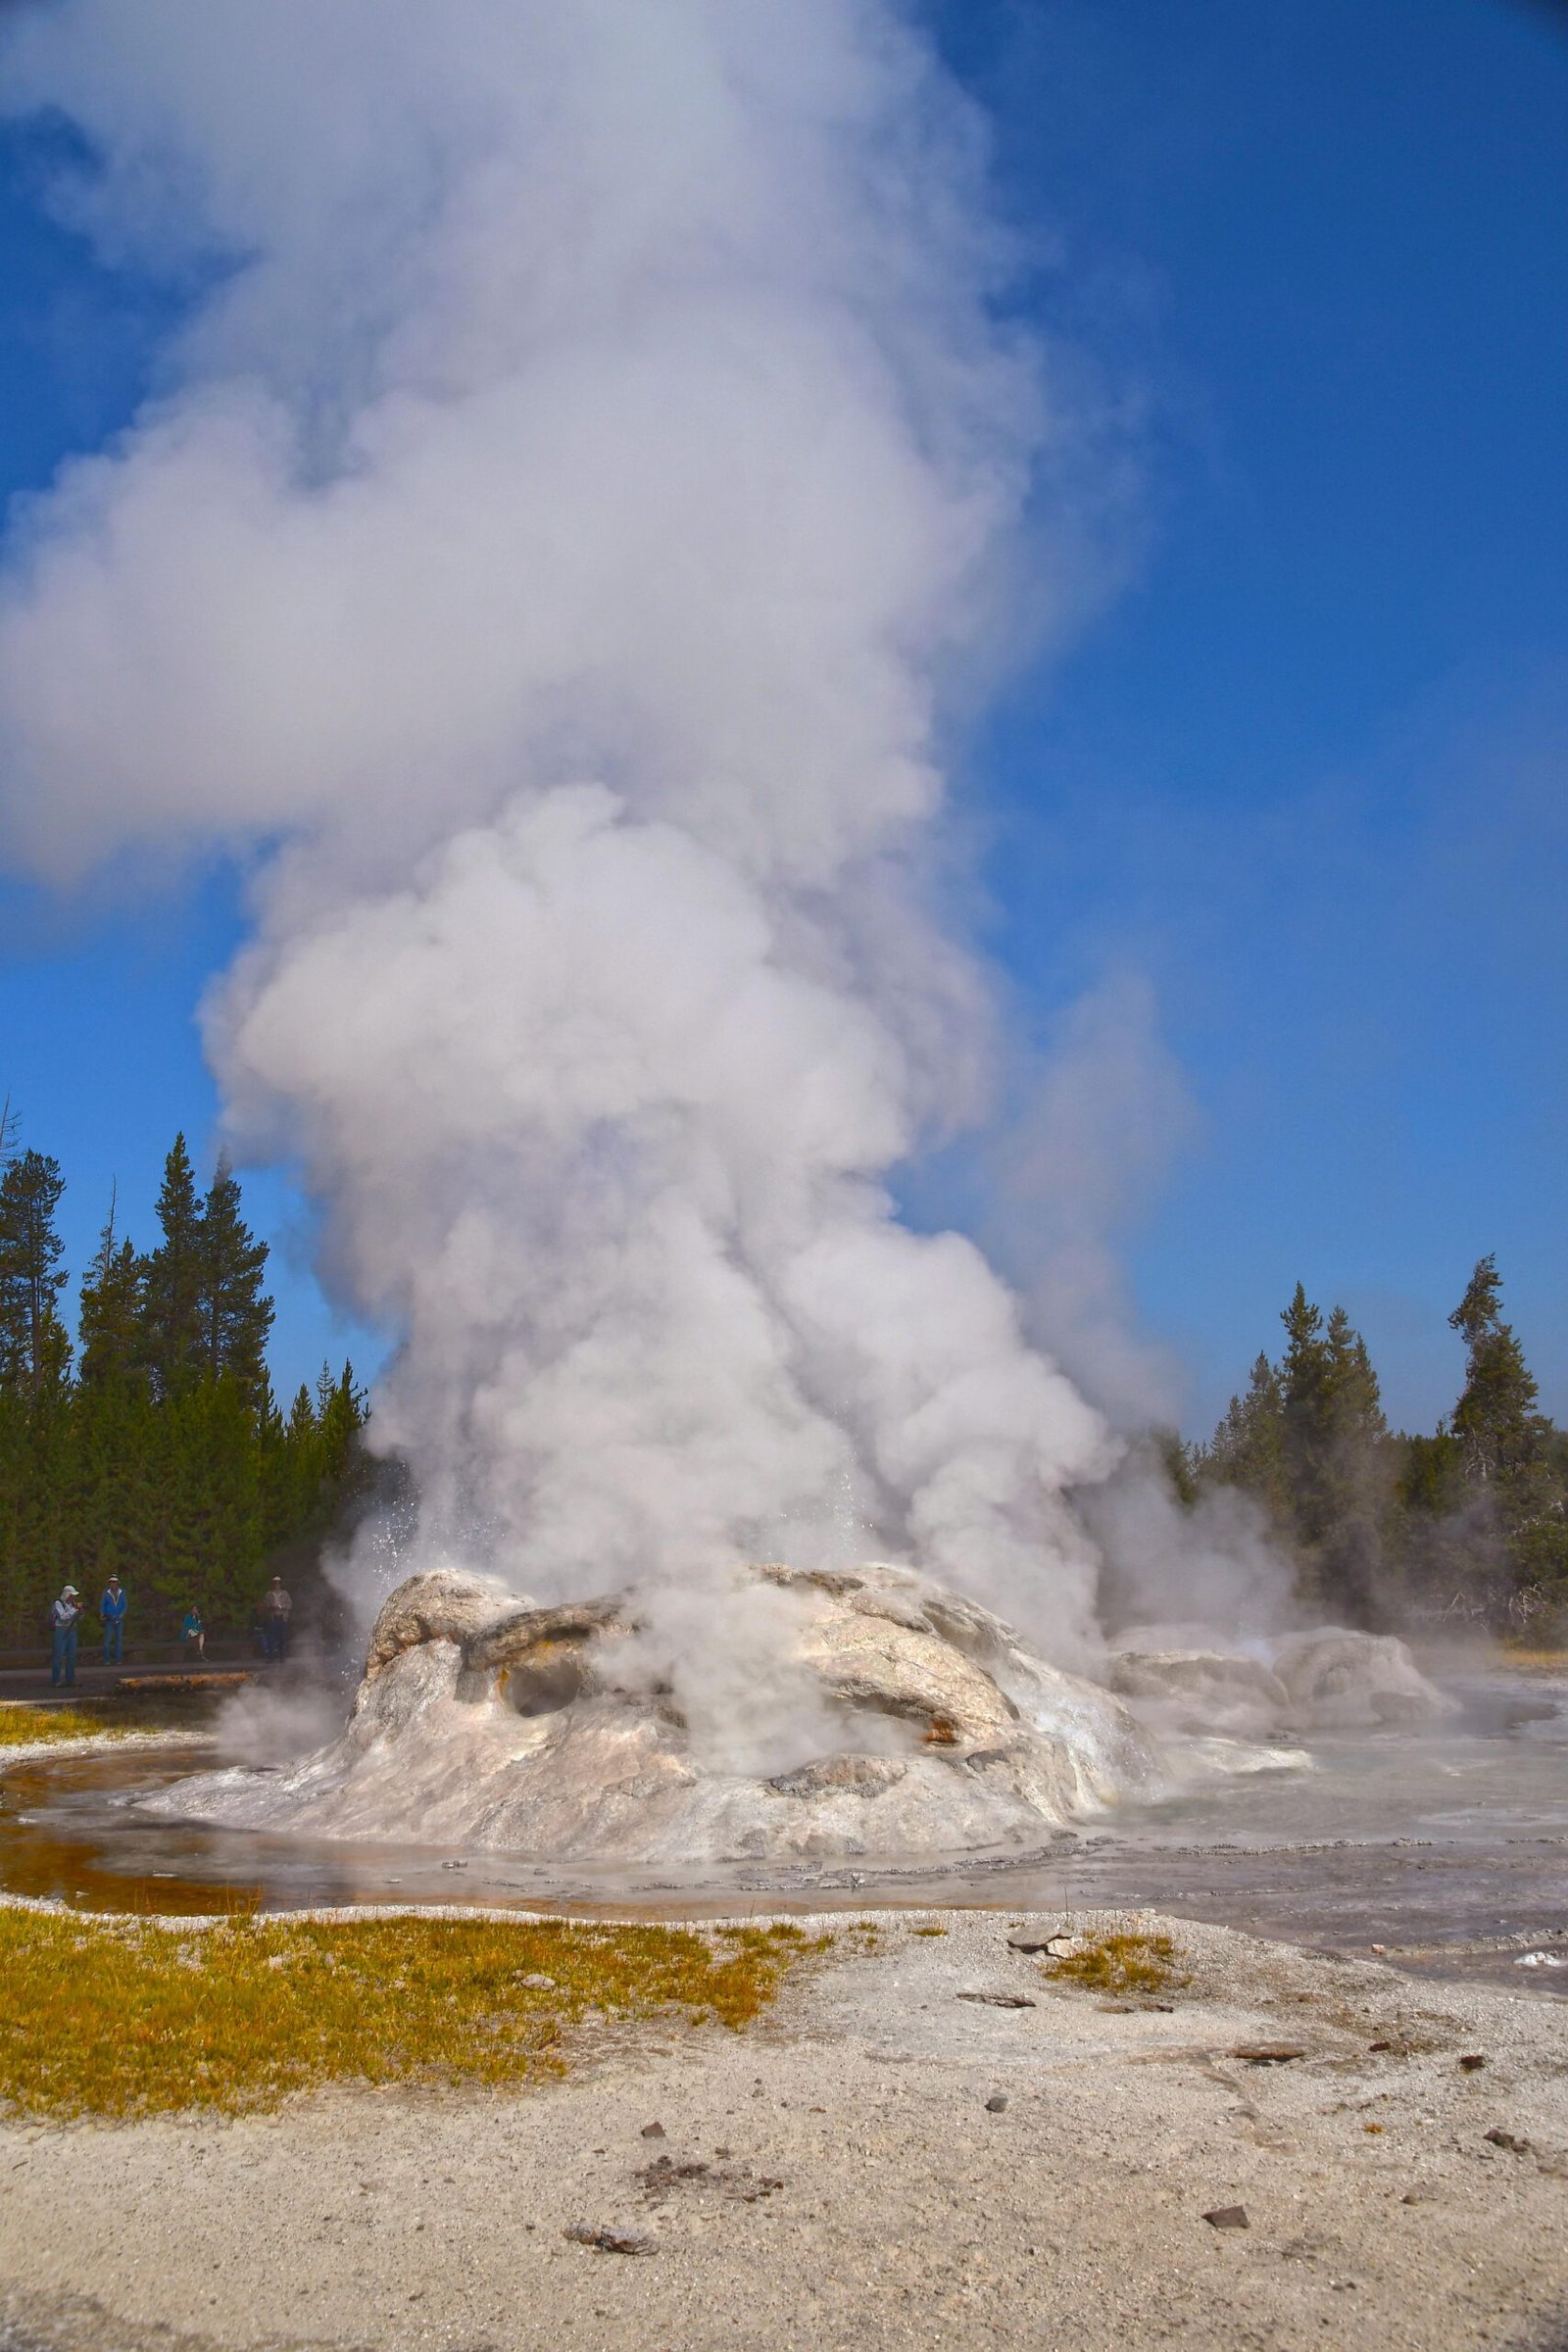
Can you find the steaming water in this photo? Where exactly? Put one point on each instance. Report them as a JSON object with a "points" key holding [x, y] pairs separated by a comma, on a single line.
{"points": [[1451, 1848]]}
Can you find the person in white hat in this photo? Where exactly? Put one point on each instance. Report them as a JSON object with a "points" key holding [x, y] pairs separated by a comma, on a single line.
{"points": [[62, 1627]]}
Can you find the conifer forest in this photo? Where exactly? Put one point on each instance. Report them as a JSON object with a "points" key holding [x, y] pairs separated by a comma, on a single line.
{"points": [[1468, 1525], [150, 1445]]}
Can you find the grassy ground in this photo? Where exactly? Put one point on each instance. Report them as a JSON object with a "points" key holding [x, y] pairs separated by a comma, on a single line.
{"points": [[26, 1726], [1124, 1963], [121, 2018], [165, 1709]]}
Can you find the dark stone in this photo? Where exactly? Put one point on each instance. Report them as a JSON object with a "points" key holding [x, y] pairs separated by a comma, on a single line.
{"points": [[1506, 2139], [1268, 2053], [1471, 2060], [1001, 2000], [660, 2178], [653, 2130], [608, 2240], [1228, 2216], [997, 2104]]}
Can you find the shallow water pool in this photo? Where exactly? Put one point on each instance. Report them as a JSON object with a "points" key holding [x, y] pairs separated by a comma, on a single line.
{"points": [[1448, 1848]]}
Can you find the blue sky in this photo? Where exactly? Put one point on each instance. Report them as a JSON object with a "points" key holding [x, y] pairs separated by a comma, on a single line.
{"points": [[1306, 770]]}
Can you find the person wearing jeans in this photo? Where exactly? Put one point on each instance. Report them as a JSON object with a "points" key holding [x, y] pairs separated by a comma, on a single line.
{"points": [[275, 1608], [112, 1609], [63, 1637]]}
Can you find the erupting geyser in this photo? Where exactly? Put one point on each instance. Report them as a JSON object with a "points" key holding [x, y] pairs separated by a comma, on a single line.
{"points": [[591, 437], [569, 480]]}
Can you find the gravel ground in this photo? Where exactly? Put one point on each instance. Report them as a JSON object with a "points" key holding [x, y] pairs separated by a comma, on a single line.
{"points": [[843, 2175]]}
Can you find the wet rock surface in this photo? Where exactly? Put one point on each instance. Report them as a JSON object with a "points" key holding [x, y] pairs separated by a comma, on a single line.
{"points": [[436, 1607], [1346, 1681], [1328, 1680], [1206, 1692]]}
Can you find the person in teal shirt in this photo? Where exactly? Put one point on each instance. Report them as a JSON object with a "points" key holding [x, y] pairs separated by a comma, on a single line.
{"points": [[193, 1632], [112, 1609]]}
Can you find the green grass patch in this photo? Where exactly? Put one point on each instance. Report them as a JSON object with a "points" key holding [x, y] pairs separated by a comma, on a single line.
{"points": [[125, 2018], [1124, 1963], [170, 1706], [25, 1727]]}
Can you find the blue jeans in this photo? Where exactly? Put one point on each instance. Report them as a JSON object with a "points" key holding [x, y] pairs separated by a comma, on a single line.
{"points": [[63, 1662], [113, 1641], [274, 1636]]}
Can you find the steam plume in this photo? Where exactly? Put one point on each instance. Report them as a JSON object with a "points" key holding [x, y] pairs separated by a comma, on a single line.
{"points": [[590, 436]]}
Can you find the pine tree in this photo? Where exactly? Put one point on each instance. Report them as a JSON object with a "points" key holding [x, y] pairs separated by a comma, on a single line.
{"points": [[35, 1352], [172, 1282], [1307, 1376], [1495, 1419], [1512, 1457], [1247, 1449], [342, 1417], [110, 1316], [236, 1315], [1358, 1536], [1354, 1400], [1309, 1442]]}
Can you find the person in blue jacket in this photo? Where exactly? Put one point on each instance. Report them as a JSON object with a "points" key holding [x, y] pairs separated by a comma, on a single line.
{"points": [[63, 1617], [112, 1609]]}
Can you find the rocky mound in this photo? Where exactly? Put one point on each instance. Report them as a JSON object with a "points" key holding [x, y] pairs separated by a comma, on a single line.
{"points": [[1355, 1682], [1203, 1691], [485, 1722], [1328, 1680]]}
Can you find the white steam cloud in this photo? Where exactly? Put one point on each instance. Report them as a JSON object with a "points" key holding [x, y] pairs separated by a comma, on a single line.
{"points": [[589, 437]]}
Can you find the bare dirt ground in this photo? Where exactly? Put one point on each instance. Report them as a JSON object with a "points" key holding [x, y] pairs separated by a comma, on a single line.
{"points": [[843, 2175]]}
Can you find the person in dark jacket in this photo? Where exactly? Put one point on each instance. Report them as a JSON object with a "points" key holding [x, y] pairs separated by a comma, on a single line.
{"points": [[275, 1608], [62, 1618], [112, 1609]]}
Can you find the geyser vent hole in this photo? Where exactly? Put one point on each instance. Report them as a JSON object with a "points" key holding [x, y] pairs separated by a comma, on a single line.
{"points": [[543, 1686]]}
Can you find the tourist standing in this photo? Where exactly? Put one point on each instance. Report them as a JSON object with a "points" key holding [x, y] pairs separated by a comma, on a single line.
{"points": [[63, 1637], [276, 1608], [112, 1609], [193, 1632]]}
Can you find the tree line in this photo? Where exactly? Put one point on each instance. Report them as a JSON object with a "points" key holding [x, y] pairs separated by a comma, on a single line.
{"points": [[1470, 1522], [151, 1447]]}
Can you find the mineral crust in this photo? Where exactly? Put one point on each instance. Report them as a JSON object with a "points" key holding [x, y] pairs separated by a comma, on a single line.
{"points": [[927, 1726]]}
